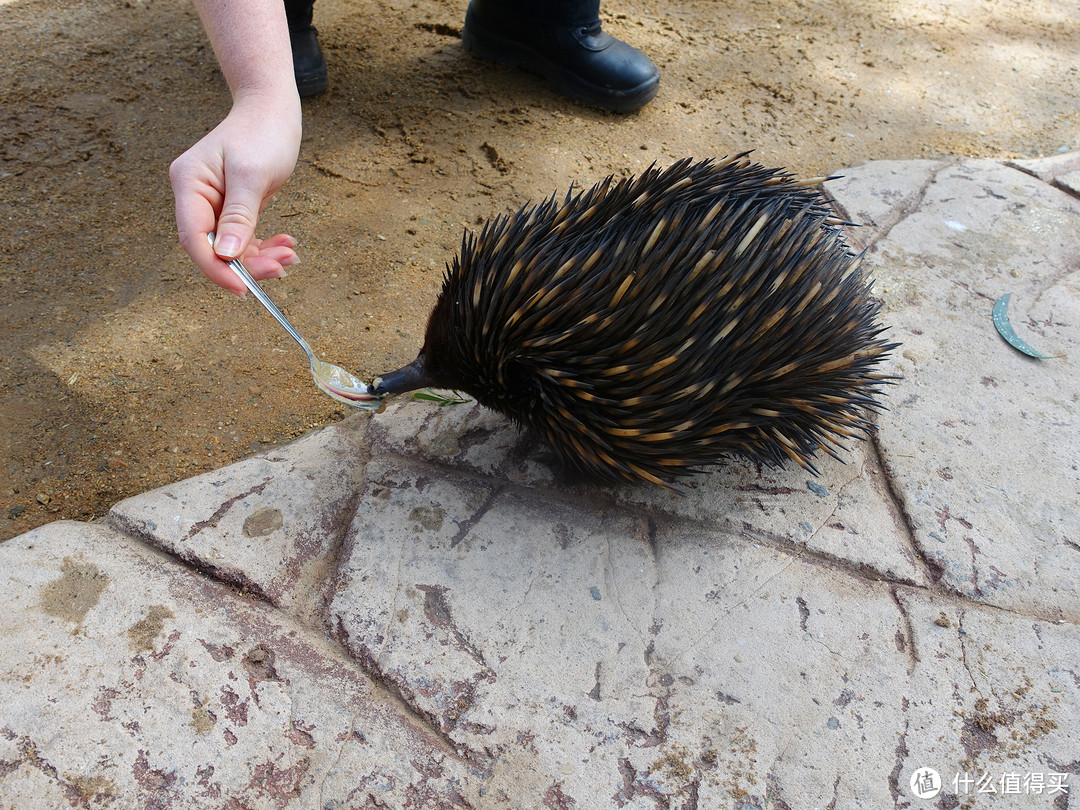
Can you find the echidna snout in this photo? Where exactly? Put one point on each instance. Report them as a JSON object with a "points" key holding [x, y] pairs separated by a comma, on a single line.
{"points": [[652, 326]]}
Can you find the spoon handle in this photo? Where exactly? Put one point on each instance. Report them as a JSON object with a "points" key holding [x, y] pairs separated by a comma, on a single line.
{"points": [[237, 267]]}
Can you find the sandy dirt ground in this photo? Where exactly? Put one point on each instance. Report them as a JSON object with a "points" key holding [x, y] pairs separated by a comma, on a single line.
{"points": [[123, 369]]}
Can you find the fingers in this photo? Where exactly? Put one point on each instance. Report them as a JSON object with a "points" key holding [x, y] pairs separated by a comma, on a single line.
{"points": [[197, 199], [281, 239], [281, 257], [245, 194], [270, 262], [222, 183], [266, 259], [221, 274], [279, 248], [262, 261], [197, 202]]}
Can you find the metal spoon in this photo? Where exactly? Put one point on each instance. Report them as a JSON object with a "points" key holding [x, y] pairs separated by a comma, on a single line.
{"points": [[334, 380]]}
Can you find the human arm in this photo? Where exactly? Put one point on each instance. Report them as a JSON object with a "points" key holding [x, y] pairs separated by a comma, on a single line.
{"points": [[223, 182]]}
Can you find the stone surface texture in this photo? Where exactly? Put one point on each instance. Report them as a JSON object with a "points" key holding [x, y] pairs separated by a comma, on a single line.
{"points": [[411, 611]]}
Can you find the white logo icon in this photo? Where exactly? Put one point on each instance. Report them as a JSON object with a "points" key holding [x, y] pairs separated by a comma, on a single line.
{"points": [[925, 783]]}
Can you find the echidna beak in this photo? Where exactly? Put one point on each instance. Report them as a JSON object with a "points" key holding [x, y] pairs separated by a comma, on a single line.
{"points": [[409, 378]]}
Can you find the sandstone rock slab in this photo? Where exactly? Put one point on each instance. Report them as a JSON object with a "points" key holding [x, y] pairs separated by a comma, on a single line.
{"points": [[1062, 170], [846, 513], [605, 655], [981, 441], [129, 680], [269, 523], [877, 195]]}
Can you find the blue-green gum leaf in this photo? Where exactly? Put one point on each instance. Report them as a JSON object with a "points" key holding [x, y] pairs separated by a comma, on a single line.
{"points": [[441, 399], [1001, 321]]}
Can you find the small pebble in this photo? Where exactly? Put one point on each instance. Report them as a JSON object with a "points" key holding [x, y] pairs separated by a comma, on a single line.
{"points": [[43, 498]]}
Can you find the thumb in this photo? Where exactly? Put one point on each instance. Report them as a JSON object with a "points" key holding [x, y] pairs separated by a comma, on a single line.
{"points": [[238, 218]]}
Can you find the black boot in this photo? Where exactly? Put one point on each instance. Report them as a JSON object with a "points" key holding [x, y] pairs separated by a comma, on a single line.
{"points": [[562, 41], [309, 66]]}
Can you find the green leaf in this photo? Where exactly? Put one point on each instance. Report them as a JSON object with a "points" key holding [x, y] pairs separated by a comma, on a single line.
{"points": [[441, 400], [1001, 321]]}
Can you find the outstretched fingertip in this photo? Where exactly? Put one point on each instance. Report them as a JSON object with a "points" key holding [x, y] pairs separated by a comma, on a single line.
{"points": [[282, 240]]}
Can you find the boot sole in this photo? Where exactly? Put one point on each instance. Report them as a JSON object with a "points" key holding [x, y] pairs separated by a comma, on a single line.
{"points": [[307, 86]]}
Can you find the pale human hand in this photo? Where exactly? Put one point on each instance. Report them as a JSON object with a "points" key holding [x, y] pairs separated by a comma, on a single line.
{"points": [[222, 183]]}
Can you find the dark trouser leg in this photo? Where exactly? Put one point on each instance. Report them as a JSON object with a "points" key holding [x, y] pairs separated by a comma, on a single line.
{"points": [[562, 40], [309, 66]]}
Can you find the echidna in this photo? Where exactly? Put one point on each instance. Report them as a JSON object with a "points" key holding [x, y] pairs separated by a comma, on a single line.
{"points": [[649, 327]]}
